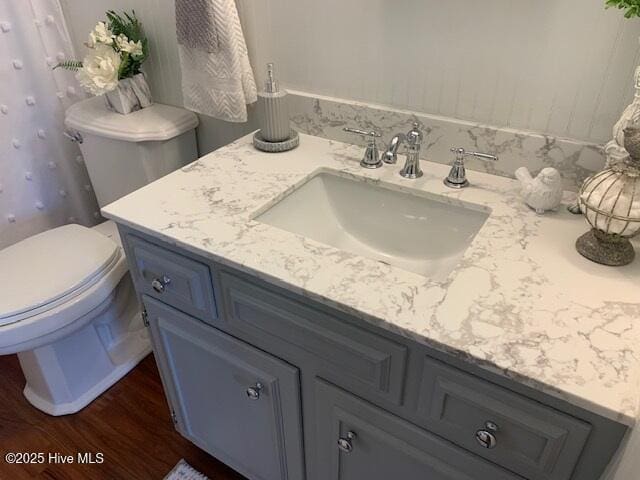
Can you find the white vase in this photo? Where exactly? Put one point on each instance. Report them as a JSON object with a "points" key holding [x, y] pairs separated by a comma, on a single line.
{"points": [[131, 94]]}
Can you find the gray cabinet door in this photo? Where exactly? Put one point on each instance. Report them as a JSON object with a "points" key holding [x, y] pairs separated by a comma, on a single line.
{"points": [[236, 402], [385, 447]]}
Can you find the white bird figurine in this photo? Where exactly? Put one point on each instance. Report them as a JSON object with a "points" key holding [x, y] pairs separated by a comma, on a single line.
{"points": [[543, 192]]}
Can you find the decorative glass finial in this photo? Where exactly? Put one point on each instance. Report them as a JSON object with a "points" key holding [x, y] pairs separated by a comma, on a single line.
{"points": [[615, 150], [610, 201]]}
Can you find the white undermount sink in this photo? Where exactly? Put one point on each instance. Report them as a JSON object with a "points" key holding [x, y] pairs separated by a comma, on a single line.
{"points": [[418, 232]]}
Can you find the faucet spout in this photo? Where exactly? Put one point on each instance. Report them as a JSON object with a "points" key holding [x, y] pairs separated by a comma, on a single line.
{"points": [[391, 154], [411, 167], [413, 140]]}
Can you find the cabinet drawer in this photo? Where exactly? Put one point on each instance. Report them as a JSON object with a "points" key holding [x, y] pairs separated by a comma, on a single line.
{"points": [[384, 447], [531, 439], [176, 280], [234, 401], [348, 355]]}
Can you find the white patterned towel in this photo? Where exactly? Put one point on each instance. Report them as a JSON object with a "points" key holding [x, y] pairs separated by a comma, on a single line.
{"points": [[217, 79]]}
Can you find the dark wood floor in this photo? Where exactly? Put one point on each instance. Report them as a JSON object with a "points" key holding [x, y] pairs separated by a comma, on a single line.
{"points": [[129, 424]]}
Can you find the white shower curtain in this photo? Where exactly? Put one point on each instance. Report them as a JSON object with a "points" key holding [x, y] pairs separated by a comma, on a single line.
{"points": [[43, 181]]}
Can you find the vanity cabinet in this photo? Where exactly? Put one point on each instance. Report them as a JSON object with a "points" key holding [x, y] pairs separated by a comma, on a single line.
{"points": [[281, 387], [239, 404]]}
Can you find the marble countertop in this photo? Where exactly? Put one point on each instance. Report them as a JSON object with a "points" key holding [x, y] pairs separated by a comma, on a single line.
{"points": [[522, 302]]}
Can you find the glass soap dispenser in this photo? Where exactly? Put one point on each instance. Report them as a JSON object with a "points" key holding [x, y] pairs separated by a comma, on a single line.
{"points": [[273, 110]]}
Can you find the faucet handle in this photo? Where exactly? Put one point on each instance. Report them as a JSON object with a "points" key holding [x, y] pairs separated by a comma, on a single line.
{"points": [[371, 157], [457, 177], [364, 133], [461, 153]]}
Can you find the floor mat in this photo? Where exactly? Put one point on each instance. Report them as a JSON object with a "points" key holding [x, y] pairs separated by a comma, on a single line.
{"points": [[184, 471]]}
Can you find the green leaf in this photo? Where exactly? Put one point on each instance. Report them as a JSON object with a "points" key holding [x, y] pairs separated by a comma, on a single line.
{"points": [[73, 65], [125, 66], [631, 7], [128, 25]]}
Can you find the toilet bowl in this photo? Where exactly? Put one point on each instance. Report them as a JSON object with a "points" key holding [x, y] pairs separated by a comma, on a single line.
{"points": [[68, 307], [77, 327]]}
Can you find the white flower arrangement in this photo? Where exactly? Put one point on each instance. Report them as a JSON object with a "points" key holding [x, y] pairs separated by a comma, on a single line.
{"points": [[99, 72], [100, 34], [117, 47]]}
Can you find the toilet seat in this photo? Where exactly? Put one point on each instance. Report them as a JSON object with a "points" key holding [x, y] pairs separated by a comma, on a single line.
{"points": [[42, 270], [51, 281]]}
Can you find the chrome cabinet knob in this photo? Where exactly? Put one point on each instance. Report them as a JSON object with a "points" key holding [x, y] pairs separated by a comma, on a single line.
{"points": [[254, 392], [486, 436], [345, 444], [159, 284]]}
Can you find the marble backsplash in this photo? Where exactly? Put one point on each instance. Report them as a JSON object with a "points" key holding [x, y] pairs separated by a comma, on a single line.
{"points": [[326, 117]]}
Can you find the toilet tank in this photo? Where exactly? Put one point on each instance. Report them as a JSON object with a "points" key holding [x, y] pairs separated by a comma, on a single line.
{"points": [[126, 152]]}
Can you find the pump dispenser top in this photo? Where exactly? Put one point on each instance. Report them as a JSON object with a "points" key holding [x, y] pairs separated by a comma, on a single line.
{"points": [[271, 84]]}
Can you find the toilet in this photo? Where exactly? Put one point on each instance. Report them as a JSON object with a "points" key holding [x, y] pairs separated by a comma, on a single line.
{"points": [[68, 308]]}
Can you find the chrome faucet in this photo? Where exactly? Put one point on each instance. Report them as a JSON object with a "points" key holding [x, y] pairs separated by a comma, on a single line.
{"points": [[413, 142], [457, 177], [371, 158]]}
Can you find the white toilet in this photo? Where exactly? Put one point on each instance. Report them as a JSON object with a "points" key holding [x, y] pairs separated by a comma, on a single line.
{"points": [[67, 304]]}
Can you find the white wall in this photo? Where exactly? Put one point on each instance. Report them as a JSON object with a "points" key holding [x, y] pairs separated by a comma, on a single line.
{"points": [[557, 66], [163, 69]]}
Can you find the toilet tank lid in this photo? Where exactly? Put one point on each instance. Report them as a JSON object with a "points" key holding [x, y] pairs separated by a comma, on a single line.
{"points": [[155, 123], [42, 269]]}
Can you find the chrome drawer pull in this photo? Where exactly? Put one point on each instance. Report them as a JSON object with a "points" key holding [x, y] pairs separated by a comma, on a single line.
{"points": [[345, 444], [486, 437], [254, 392], [159, 284]]}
